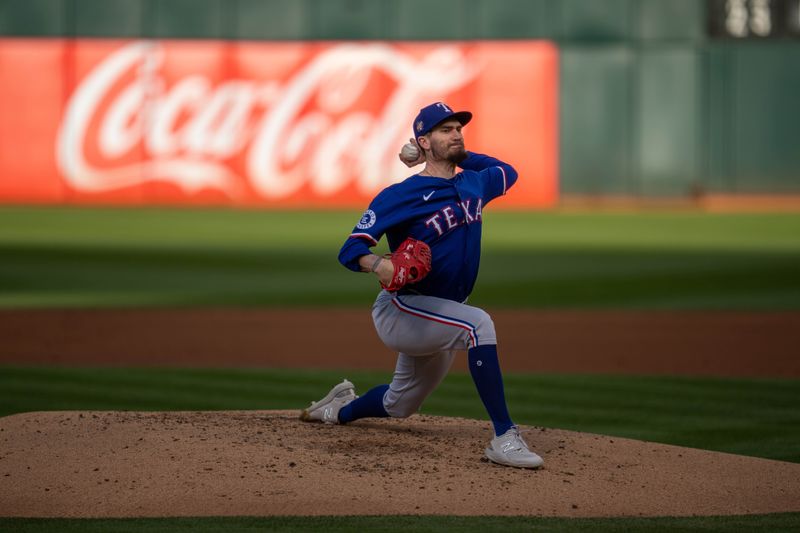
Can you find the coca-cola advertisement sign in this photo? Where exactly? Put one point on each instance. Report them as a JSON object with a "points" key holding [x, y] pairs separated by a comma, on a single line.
{"points": [[260, 124]]}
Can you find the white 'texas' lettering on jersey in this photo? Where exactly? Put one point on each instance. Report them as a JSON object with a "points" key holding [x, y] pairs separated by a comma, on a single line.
{"points": [[449, 217], [446, 219], [465, 206], [434, 221]]}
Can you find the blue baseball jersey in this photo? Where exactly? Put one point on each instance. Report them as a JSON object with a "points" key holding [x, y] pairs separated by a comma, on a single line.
{"points": [[447, 214]]}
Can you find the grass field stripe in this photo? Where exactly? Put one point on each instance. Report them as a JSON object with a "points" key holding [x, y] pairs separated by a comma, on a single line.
{"points": [[364, 236], [422, 313]]}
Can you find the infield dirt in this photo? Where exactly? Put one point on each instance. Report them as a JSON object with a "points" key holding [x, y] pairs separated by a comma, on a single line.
{"points": [[724, 343], [123, 464], [120, 464]]}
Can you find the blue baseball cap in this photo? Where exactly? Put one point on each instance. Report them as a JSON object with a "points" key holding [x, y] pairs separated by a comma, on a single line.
{"points": [[430, 116]]}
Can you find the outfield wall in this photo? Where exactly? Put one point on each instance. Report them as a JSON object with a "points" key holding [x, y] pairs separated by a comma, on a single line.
{"points": [[265, 124], [651, 103]]}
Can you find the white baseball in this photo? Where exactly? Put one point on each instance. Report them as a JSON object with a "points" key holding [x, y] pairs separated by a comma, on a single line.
{"points": [[409, 152]]}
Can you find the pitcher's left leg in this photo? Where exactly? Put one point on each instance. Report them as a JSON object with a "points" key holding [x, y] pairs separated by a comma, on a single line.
{"points": [[451, 325], [485, 370]]}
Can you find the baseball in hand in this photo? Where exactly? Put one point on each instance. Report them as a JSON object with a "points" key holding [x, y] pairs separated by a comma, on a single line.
{"points": [[409, 152]]}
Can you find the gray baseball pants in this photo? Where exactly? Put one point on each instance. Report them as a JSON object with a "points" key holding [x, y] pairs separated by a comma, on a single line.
{"points": [[426, 332]]}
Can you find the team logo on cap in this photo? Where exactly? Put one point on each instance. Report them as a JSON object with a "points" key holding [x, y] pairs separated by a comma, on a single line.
{"points": [[420, 125]]}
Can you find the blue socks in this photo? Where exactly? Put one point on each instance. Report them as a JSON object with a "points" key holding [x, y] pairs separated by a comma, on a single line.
{"points": [[369, 405], [485, 370]]}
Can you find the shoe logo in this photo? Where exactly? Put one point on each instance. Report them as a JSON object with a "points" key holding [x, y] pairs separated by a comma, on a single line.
{"points": [[508, 447], [328, 413], [426, 197]]}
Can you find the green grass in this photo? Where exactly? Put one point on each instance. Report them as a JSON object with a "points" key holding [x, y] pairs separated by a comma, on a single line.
{"points": [[69, 257], [756, 417], [734, 524]]}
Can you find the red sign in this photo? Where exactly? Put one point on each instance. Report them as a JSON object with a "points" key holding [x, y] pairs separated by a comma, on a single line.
{"points": [[260, 124]]}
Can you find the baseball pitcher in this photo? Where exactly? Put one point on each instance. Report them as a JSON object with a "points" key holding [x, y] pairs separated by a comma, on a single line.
{"points": [[433, 222]]}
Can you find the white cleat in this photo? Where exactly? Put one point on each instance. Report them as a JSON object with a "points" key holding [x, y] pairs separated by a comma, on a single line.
{"points": [[327, 409], [509, 449]]}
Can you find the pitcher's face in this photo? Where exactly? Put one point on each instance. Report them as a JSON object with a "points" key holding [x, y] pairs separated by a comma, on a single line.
{"points": [[447, 142]]}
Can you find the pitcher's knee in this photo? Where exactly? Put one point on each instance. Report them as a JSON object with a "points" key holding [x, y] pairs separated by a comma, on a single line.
{"points": [[397, 408], [484, 328], [401, 411]]}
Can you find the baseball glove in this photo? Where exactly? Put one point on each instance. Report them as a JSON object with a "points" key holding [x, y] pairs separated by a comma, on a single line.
{"points": [[411, 261]]}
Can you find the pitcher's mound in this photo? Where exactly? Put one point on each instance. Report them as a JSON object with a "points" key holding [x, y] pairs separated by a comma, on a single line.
{"points": [[123, 464]]}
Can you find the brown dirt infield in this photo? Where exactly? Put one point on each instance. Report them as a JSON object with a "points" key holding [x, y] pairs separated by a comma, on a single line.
{"points": [[618, 342], [112, 464]]}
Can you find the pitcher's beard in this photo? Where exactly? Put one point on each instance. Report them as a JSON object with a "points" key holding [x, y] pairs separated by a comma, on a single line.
{"points": [[458, 156], [451, 157]]}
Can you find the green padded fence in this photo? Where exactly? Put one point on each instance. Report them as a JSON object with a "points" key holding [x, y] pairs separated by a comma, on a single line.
{"points": [[650, 105]]}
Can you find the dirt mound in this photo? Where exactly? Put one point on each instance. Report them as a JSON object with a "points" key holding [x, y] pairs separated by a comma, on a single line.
{"points": [[123, 464]]}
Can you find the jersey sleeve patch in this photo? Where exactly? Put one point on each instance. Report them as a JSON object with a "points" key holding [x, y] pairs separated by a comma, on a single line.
{"points": [[367, 220]]}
